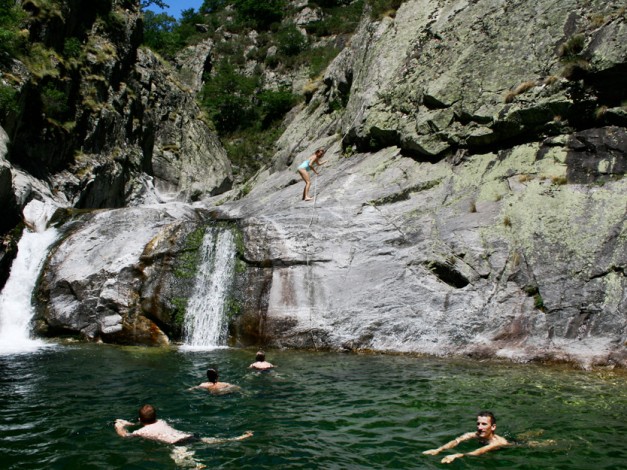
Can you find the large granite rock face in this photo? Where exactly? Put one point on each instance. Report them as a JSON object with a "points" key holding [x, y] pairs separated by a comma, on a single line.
{"points": [[114, 276], [475, 199], [445, 75], [498, 255], [183, 155]]}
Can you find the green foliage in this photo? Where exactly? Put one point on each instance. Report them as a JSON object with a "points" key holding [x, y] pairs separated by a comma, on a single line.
{"points": [[290, 41], [187, 261], [72, 48], [8, 100], [42, 61], [159, 3], [165, 35], [11, 15], [320, 58], [260, 14], [274, 104], [572, 48], [228, 99], [339, 18], [570, 56], [186, 30], [212, 6], [54, 101], [159, 33], [331, 3], [250, 148], [381, 8], [233, 307], [246, 118], [179, 307]]}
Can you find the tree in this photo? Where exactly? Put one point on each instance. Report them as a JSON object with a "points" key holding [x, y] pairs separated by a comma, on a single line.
{"points": [[228, 98], [158, 3], [159, 32], [211, 6], [260, 14]]}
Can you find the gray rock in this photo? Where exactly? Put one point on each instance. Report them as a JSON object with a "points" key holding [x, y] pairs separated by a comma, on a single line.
{"points": [[448, 236], [96, 278], [193, 62], [490, 258]]}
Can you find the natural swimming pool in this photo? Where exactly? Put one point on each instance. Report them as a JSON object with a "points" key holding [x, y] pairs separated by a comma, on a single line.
{"points": [[318, 410]]}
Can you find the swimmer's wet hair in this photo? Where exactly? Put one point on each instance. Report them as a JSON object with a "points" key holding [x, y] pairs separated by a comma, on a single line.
{"points": [[147, 414], [260, 356], [487, 414], [212, 375]]}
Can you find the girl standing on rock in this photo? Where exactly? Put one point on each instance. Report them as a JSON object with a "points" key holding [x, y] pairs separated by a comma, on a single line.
{"points": [[307, 165]]}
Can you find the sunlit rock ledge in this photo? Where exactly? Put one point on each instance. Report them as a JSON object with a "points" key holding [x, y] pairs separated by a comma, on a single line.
{"points": [[498, 256]]}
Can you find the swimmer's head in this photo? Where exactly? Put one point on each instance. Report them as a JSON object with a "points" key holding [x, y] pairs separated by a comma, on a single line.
{"points": [[487, 414], [320, 152], [212, 375], [486, 425], [147, 414], [260, 356]]}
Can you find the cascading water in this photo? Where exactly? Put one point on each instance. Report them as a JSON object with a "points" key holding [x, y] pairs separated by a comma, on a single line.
{"points": [[16, 308], [204, 325]]}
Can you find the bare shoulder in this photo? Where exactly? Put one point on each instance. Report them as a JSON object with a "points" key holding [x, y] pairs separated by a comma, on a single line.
{"points": [[262, 365]]}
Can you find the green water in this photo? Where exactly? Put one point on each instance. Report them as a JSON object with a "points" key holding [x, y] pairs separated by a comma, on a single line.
{"points": [[319, 410]]}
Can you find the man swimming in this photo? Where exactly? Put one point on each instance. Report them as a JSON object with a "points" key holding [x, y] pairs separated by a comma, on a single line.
{"points": [[486, 425], [260, 362], [158, 430], [214, 386]]}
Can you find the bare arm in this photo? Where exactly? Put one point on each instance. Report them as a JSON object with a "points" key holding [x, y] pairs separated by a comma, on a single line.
{"points": [[479, 451], [217, 440], [120, 427], [451, 444]]}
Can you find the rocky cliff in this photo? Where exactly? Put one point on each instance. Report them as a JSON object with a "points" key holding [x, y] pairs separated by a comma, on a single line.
{"points": [[99, 118], [473, 201]]}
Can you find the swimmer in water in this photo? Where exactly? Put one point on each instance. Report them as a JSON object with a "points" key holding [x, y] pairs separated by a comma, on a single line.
{"points": [[303, 170], [260, 362], [158, 430], [215, 387], [486, 425]]}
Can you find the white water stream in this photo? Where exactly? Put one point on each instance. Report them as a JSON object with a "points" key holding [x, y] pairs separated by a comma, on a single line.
{"points": [[16, 308], [205, 325]]}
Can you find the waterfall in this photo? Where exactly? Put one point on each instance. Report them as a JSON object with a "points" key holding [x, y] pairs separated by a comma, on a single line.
{"points": [[16, 308], [205, 326]]}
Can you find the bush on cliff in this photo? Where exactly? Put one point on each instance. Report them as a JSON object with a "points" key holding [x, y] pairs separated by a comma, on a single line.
{"points": [[11, 17]]}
